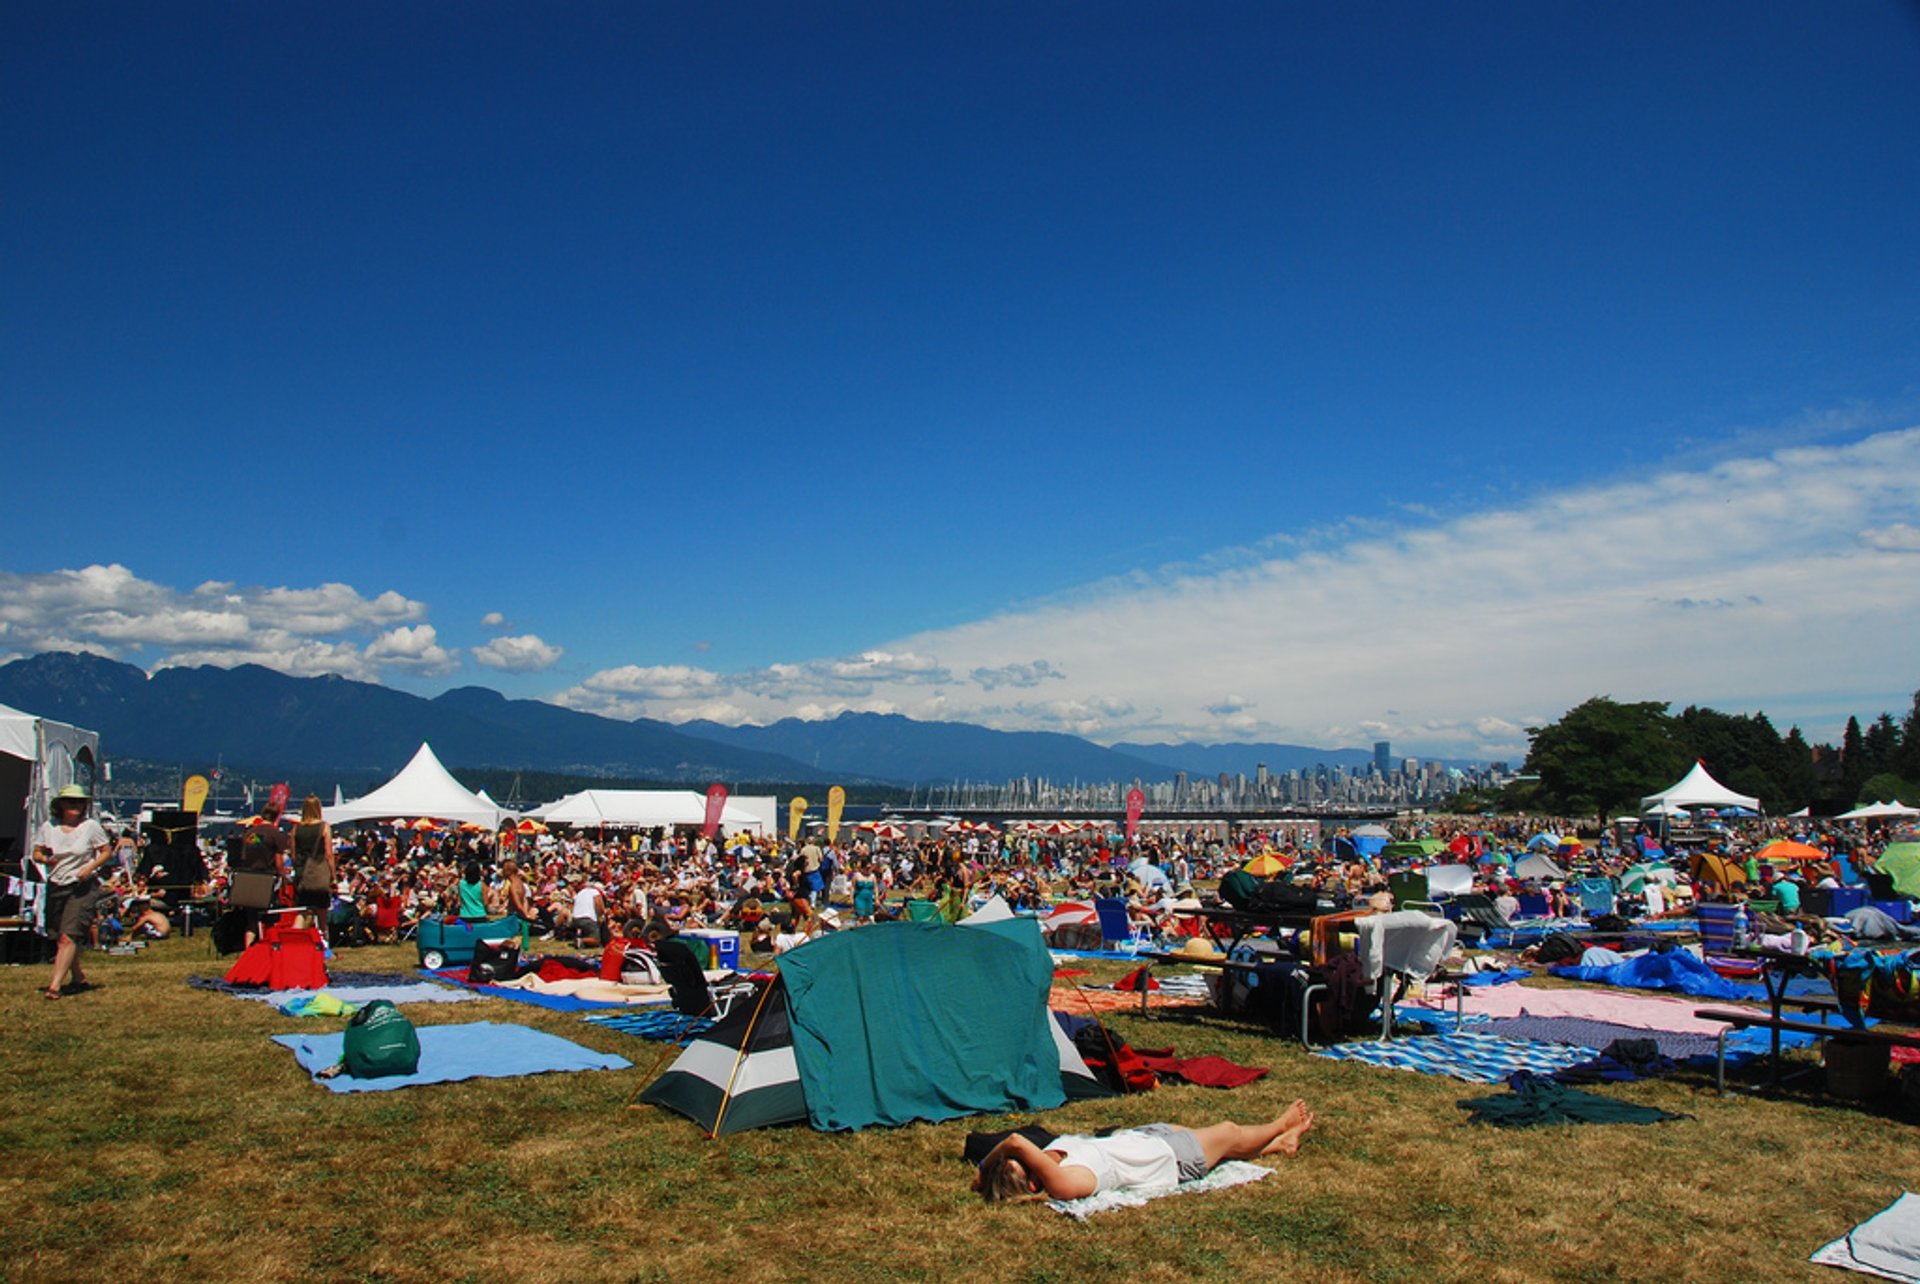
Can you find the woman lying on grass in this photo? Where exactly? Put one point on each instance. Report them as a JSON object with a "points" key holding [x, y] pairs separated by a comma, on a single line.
{"points": [[1150, 1155]]}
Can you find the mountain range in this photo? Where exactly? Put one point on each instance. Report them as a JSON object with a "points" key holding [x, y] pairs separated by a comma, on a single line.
{"points": [[261, 719]]}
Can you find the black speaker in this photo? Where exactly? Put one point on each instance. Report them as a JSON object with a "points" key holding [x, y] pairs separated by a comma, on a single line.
{"points": [[171, 859]]}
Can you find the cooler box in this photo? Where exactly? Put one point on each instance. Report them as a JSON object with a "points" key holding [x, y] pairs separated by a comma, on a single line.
{"points": [[1842, 901], [723, 948], [1899, 911]]}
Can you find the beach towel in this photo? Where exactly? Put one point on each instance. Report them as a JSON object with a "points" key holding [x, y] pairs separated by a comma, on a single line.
{"points": [[1536, 1100], [1232, 1173], [1208, 1071], [448, 1053], [1886, 1244], [1465, 1054]]}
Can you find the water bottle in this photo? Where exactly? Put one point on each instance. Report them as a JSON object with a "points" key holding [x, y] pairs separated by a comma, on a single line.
{"points": [[1740, 935], [1799, 941]]}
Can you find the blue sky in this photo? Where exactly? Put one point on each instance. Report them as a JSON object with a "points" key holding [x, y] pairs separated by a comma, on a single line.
{"points": [[1145, 371]]}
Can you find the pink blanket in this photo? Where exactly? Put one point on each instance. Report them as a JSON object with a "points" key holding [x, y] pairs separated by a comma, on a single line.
{"points": [[1642, 1012]]}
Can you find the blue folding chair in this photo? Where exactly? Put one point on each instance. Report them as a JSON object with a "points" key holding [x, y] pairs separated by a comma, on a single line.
{"points": [[1116, 928]]}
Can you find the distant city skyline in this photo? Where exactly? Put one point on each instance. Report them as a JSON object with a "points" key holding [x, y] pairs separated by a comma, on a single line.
{"points": [[1315, 374]]}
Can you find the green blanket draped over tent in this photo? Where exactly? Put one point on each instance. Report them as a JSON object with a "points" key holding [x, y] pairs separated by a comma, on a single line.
{"points": [[898, 1022]]}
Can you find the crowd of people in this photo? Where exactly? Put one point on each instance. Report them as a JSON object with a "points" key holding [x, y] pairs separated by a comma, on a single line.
{"points": [[376, 883]]}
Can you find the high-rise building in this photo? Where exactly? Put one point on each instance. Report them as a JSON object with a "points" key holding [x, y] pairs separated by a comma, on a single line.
{"points": [[1382, 757]]}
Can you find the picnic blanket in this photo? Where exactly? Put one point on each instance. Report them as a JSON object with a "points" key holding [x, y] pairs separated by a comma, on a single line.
{"points": [[1640, 1011], [1742, 1045], [556, 996], [357, 995], [1464, 1054], [448, 1053], [1886, 1244], [1536, 1100], [661, 1027], [220, 985], [1234, 1172]]}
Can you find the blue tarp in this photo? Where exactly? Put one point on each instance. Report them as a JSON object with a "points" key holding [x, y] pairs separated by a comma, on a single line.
{"points": [[1675, 970]]}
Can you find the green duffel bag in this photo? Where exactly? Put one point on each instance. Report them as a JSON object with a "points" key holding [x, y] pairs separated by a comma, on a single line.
{"points": [[380, 1041]]}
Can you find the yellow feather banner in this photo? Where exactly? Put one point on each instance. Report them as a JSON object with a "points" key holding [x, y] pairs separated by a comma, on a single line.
{"points": [[836, 802]]}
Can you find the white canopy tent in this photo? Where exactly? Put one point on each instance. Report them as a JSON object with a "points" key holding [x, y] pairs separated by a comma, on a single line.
{"points": [[38, 758], [423, 788], [1878, 811], [1697, 789], [645, 809]]}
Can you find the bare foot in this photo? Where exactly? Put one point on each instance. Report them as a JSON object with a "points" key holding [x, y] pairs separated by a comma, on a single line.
{"points": [[1299, 1123]]}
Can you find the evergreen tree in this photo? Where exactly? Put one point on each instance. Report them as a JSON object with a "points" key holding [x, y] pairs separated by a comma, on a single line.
{"points": [[1604, 756]]}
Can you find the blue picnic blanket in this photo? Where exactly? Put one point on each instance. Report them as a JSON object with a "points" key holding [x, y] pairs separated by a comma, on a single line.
{"points": [[1463, 1054], [481, 1050], [552, 1002], [1497, 978]]}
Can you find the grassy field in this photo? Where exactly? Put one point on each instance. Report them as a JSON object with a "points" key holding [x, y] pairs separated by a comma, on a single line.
{"points": [[151, 1131]]}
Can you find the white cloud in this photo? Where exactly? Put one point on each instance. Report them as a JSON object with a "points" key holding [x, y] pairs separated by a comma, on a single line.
{"points": [[109, 610], [415, 648], [523, 654], [1746, 584], [493, 620], [1897, 538]]}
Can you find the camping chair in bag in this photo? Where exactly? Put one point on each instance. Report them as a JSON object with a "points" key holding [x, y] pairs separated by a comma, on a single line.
{"points": [[1116, 926]]}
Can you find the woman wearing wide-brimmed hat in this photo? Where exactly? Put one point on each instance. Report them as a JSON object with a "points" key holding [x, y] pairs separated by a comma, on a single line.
{"points": [[70, 849]]}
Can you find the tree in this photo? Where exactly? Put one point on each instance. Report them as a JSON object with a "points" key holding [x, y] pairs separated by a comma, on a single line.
{"points": [[1853, 760], [1907, 760], [1605, 755], [1797, 780], [1887, 787]]}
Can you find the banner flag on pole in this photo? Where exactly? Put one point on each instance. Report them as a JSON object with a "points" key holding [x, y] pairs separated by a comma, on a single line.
{"points": [[1136, 803], [795, 810], [836, 802], [194, 796], [716, 804]]}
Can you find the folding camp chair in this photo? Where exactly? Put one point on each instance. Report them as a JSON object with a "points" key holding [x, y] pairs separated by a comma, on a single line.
{"points": [[1410, 892], [687, 985], [1116, 926]]}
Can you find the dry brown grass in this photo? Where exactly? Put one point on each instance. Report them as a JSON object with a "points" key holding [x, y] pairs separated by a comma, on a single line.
{"points": [[150, 1130]]}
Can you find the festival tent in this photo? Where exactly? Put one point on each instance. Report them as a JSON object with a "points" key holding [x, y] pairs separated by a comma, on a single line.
{"points": [[423, 788], [1878, 811], [1698, 789], [885, 1025], [644, 809], [38, 758]]}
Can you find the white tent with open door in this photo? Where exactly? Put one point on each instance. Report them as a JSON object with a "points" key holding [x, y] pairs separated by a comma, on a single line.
{"points": [[38, 758], [1697, 789], [423, 788]]}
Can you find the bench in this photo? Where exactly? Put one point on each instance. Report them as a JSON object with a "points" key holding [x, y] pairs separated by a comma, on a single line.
{"points": [[1736, 1020]]}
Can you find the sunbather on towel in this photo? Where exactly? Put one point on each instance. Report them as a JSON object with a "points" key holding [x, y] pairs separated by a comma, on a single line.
{"points": [[1150, 1155]]}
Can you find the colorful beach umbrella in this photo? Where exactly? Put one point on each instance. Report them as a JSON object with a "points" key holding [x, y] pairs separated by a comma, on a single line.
{"points": [[1787, 849], [1265, 865]]}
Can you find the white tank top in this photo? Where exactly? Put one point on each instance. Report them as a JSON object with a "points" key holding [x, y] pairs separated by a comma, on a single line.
{"points": [[1126, 1158], [583, 902]]}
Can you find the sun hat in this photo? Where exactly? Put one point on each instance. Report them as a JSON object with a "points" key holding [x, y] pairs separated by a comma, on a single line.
{"points": [[1200, 947], [74, 792]]}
